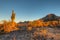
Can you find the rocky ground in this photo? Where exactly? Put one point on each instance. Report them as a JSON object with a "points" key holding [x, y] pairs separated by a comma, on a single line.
{"points": [[52, 34]]}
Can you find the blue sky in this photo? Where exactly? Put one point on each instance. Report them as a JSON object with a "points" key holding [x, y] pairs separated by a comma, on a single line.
{"points": [[28, 9]]}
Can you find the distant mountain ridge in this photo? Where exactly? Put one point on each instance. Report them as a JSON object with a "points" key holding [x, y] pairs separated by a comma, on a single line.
{"points": [[51, 17]]}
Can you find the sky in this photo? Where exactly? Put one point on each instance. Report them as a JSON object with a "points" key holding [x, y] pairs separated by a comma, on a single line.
{"points": [[28, 10]]}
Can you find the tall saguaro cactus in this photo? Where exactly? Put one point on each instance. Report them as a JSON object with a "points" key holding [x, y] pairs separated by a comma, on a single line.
{"points": [[13, 16]]}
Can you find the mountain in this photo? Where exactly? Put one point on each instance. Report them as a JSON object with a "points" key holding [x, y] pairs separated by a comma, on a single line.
{"points": [[50, 17]]}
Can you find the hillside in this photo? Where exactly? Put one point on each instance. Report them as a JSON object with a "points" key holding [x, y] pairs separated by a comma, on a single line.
{"points": [[51, 17]]}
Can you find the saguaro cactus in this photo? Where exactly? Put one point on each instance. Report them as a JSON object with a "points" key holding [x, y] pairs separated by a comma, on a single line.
{"points": [[13, 16]]}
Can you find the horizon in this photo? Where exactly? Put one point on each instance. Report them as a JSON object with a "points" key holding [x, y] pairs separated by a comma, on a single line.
{"points": [[28, 10], [28, 20]]}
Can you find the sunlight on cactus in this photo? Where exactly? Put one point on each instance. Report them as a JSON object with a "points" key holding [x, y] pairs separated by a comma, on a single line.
{"points": [[9, 26]]}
